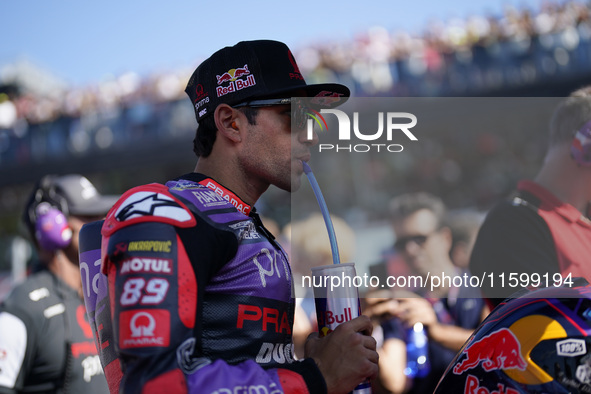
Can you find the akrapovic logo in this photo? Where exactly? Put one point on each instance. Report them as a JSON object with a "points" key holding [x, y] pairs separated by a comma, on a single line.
{"points": [[390, 125]]}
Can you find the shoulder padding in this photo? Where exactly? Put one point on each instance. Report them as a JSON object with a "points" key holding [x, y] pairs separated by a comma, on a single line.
{"points": [[147, 203]]}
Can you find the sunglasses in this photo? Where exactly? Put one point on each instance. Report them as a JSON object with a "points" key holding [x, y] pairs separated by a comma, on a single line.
{"points": [[298, 110], [402, 242]]}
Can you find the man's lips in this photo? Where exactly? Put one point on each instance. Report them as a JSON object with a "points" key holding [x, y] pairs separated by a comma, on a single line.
{"points": [[305, 157]]}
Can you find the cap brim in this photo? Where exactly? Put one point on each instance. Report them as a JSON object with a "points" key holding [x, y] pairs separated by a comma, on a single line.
{"points": [[328, 94], [325, 95], [94, 206]]}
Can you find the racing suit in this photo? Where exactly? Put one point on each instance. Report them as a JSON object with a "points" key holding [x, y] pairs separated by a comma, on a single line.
{"points": [[46, 342], [199, 294]]}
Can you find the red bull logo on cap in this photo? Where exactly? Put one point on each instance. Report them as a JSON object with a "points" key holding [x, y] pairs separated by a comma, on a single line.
{"points": [[236, 81], [499, 350]]}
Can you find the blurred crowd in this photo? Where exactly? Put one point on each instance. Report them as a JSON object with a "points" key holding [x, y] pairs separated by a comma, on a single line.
{"points": [[36, 127], [475, 168], [43, 122], [472, 56], [479, 55]]}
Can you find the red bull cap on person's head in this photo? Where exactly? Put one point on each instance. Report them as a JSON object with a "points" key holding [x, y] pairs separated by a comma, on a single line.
{"points": [[251, 70]]}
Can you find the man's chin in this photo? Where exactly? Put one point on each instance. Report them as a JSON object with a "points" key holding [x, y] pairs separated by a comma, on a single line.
{"points": [[296, 183]]}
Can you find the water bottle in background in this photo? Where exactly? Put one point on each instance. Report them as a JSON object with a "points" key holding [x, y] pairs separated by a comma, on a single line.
{"points": [[417, 352]]}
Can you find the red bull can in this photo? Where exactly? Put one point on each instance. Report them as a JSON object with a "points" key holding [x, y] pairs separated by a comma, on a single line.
{"points": [[337, 301]]}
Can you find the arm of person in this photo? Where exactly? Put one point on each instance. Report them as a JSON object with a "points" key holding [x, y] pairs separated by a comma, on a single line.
{"points": [[14, 341], [419, 310], [392, 365], [512, 239], [156, 310], [381, 308], [413, 310], [334, 364], [448, 335], [157, 298], [302, 327], [393, 352], [347, 356]]}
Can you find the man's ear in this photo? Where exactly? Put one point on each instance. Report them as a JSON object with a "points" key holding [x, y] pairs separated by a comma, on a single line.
{"points": [[227, 122]]}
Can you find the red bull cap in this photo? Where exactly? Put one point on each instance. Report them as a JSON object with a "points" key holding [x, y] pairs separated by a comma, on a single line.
{"points": [[252, 70]]}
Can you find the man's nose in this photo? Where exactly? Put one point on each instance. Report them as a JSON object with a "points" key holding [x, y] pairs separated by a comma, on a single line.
{"points": [[412, 247], [308, 137]]}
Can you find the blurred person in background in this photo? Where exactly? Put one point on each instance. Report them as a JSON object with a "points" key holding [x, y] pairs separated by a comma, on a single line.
{"points": [[464, 225], [544, 229], [448, 314], [212, 308], [8, 113], [46, 344], [311, 248], [271, 225]]}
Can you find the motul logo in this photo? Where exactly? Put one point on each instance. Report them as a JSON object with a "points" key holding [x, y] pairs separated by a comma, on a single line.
{"points": [[143, 264]]}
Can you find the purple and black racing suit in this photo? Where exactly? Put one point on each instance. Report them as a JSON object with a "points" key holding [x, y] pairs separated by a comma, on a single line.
{"points": [[197, 296]]}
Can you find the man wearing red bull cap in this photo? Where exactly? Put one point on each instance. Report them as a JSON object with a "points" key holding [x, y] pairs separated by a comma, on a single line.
{"points": [[200, 291]]}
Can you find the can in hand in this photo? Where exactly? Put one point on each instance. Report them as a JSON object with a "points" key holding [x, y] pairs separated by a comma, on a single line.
{"points": [[337, 301]]}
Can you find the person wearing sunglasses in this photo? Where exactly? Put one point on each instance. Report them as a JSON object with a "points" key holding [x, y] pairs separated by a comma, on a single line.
{"points": [[200, 290], [449, 315]]}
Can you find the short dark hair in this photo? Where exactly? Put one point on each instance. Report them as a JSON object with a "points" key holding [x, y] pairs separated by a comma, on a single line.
{"points": [[407, 204], [570, 116], [206, 132], [204, 137]]}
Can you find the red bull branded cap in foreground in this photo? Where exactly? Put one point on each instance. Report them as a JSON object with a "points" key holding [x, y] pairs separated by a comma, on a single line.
{"points": [[253, 70]]}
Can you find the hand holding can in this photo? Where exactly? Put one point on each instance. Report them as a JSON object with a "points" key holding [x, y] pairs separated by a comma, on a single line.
{"points": [[337, 303]]}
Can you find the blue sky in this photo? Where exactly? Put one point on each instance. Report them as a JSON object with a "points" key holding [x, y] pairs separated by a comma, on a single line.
{"points": [[84, 42]]}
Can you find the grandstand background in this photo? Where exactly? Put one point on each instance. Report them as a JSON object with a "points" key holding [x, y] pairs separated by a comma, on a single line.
{"points": [[130, 130]]}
